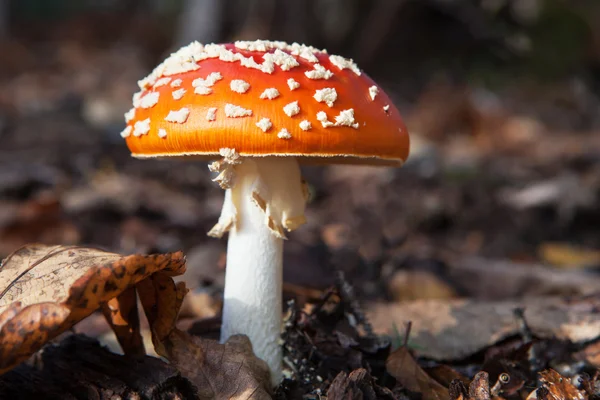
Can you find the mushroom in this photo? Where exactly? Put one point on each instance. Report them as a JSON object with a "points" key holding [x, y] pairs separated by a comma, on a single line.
{"points": [[260, 108]]}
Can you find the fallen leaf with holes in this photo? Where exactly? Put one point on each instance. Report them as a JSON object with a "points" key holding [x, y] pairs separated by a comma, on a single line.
{"points": [[402, 366], [45, 290], [556, 387]]}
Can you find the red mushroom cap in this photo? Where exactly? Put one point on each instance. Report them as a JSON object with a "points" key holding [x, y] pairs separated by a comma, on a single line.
{"points": [[262, 99]]}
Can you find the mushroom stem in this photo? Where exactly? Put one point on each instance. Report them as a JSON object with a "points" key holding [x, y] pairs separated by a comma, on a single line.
{"points": [[267, 196]]}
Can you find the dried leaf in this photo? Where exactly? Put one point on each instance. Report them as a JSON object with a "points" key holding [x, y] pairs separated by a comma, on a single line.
{"points": [[559, 387], [479, 389], [161, 299], [219, 371], [359, 384], [402, 366], [122, 315], [455, 329], [45, 290]]}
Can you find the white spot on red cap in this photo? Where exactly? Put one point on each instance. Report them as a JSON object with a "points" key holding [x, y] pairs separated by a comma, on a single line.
{"points": [[373, 92], [162, 133], [293, 84], [239, 86], [129, 115], [136, 98], [264, 124], [386, 108], [209, 81], [344, 63], [141, 127], [284, 134], [162, 82], [233, 111], [183, 60], [178, 94], [178, 116], [291, 109], [284, 60], [322, 118], [308, 54], [211, 114], [126, 132], [346, 118], [149, 100], [305, 125], [327, 96], [176, 82], [319, 72], [270, 93], [203, 90]]}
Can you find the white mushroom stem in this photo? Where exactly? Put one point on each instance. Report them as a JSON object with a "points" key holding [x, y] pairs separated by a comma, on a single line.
{"points": [[267, 196]]}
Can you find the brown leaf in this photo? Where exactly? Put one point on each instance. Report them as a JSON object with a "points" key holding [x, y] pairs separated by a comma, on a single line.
{"points": [[358, 385], [402, 366], [161, 299], [456, 329], [122, 315], [219, 371], [45, 290], [559, 387], [479, 389]]}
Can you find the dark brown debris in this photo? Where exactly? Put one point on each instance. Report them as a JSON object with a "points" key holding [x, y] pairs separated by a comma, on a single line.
{"points": [[79, 368]]}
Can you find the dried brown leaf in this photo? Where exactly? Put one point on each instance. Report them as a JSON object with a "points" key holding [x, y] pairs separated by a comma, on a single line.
{"points": [[479, 389], [45, 290], [357, 385], [402, 366], [161, 299], [559, 387], [122, 315], [219, 371], [455, 329]]}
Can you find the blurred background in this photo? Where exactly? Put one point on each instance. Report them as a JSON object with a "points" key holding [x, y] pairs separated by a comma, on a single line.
{"points": [[501, 97]]}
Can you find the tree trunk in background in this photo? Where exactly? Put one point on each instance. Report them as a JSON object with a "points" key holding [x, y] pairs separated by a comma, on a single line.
{"points": [[200, 20]]}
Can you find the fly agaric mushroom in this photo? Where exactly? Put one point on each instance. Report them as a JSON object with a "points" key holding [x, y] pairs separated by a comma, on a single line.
{"points": [[261, 108]]}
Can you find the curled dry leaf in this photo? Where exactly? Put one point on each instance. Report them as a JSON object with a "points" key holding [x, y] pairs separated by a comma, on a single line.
{"points": [[556, 387], [45, 290], [218, 371], [402, 366], [122, 315]]}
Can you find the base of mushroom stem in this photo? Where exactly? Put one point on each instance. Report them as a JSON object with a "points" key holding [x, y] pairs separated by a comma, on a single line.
{"points": [[267, 199]]}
